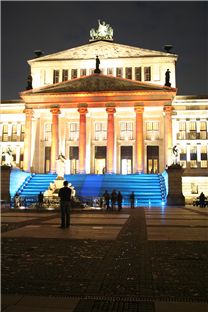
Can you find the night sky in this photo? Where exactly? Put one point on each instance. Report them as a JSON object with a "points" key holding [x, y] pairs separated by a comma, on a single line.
{"points": [[54, 26]]}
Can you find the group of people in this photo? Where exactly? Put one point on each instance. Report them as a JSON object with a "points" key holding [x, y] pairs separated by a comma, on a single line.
{"points": [[202, 199], [109, 200]]}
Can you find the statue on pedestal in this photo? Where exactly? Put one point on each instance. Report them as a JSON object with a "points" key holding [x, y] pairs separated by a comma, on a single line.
{"points": [[167, 78], [60, 166]]}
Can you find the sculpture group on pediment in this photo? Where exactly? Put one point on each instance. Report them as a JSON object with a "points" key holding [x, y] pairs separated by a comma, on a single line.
{"points": [[104, 31]]}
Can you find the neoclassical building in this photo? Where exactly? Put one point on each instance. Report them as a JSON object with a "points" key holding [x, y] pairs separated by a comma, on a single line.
{"points": [[125, 117]]}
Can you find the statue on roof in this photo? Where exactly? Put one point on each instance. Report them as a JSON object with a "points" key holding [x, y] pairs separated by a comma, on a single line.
{"points": [[104, 31], [167, 78], [97, 70]]}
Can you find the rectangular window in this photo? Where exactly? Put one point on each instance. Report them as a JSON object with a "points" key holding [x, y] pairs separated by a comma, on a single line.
{"points": [[126, 131], [5, 133], [203, 156], [119, 72], [203, 130], [182, 130], [128, 72], [14, 133], [83, 72], [110, 71], [48, 127], [55, 76], [22, 133], [138, 73], [147, 73], [73, 73], [152, 130], [193, 157], [65, 75], [100, 131], [74, 131]]}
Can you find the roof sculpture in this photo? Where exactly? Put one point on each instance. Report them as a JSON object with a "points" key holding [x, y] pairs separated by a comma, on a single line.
{"points": [[104, 31]]}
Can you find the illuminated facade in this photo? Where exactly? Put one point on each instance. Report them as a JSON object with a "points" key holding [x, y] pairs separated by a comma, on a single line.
{"points": [[123, 120]]}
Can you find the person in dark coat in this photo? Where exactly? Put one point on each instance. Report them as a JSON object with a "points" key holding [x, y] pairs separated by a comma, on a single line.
{"points": [[106, 197], [65, 203], [40, 200], [132, 199], [202, 200], [119, 200], [113, 199]]}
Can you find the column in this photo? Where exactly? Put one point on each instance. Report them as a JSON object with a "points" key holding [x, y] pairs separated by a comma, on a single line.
{"points": [[110, 140], [82, 139], [139, 144], [168, 141], [27, 139], [54, 138]]}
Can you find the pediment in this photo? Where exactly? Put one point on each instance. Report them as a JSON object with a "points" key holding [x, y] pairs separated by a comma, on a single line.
{"points": [[104, 49], [97, 83]]}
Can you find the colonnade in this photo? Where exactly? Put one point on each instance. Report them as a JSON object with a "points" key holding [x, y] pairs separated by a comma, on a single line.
{"points": [[111, 110]]}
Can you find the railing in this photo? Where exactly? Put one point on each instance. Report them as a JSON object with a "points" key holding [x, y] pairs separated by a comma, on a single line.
{"points": [[192, 135]]}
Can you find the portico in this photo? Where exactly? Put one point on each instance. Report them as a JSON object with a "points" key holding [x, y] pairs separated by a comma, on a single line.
{"points": [[102, 113]]}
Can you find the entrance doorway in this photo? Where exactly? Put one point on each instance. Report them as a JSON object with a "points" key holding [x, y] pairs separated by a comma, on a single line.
{"points": [[152, 159], [100, 159], [74, 159], [126, 159], [47, 159]]}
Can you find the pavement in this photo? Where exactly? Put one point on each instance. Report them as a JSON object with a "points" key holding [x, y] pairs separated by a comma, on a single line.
{"points": [[147, 259]]}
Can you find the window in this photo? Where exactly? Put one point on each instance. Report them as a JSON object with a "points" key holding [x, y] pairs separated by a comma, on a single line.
{"points": [[192, 130], [183, 156], [119, 72], [182, 130], [147, 73], [100, 131], [110, 71], [73, 73], [203, 156], [22, 133], [65, 75], [203, 130], [193, 157], [74, 131], [48, 132], [14, 133], [5, 133], [126, 131], [128, 72], [83, 72], [152, 130], [55, 76], [138, 73]]}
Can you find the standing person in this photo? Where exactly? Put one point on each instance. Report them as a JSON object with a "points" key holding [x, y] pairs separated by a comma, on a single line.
{"points": [[113, 199], [16, 201], [40, 200], [132, 199], [65, 197], [202, 200], [119, 200], [106, 197]]}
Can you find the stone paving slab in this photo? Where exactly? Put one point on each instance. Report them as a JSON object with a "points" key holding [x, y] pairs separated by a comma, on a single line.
{"points": [[180, 307], [15, 219], [165, 217], [115, 215], [27, 214], [190, 222], [100, 221], [74, 232], [177, 233]]}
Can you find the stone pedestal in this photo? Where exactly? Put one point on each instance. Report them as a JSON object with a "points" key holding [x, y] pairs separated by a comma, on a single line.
{"points": [[175, 196], [5, 182]]}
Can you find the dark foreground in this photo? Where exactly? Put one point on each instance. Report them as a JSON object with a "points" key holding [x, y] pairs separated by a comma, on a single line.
{"points": [[146, 259]]}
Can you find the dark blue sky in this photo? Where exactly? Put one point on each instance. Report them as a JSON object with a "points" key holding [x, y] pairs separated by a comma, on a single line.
{"points": [[54, 26]]}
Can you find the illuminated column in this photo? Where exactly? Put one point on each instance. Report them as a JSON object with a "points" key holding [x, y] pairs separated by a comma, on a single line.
{"points": [[27, 139], [139, 144], [168, 143], [110, 140], [82, 138], [54, 137]]}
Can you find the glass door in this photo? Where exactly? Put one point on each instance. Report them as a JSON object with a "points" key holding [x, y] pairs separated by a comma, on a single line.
{"points": [[152, 159], [126, 159]]}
